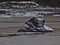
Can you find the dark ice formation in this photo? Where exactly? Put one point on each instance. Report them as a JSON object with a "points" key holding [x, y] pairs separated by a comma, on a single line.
{"points": [[34, 25]]}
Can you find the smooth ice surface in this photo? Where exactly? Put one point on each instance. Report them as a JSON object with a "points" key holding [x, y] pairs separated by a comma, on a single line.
{"points": [[48, 28]]}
